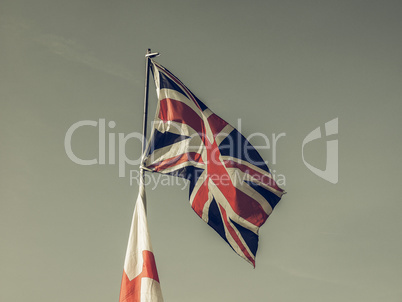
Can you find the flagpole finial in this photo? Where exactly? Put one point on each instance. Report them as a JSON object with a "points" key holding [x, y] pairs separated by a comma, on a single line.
{"points": [[150, 54]]}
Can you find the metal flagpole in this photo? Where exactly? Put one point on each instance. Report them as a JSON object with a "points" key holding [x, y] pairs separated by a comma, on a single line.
{"points": [[148, 57]]}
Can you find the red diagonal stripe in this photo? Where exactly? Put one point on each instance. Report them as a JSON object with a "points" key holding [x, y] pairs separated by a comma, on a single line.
{"points": [[177, 160], [235, 237], [176, 111], [180, 84], [265, 179]]}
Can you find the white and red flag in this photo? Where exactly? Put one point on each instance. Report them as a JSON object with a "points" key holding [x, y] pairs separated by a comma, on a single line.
{"points": [[140, 282]]}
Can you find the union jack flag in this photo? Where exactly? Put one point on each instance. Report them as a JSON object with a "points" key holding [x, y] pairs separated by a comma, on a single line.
{"points": [[231, 187]]}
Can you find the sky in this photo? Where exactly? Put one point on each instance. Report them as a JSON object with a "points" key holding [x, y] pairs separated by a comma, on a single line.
{"points": [[277, 68]]}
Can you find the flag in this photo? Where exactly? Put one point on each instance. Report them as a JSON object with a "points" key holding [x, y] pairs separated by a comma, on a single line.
{"points": [[140, 282], [231, 187]]}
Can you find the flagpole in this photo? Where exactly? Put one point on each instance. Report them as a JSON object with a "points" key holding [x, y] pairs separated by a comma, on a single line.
{"points": [[148, 57]]}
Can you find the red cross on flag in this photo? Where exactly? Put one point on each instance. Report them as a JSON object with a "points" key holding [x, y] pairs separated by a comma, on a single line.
{"points": [[140, 282]]}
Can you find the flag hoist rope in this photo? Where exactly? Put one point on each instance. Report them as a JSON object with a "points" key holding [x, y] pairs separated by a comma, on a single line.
{"points": [[148, 57]]}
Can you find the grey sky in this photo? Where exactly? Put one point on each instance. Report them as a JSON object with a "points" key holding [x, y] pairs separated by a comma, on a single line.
{"points": [[279, 66]]}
